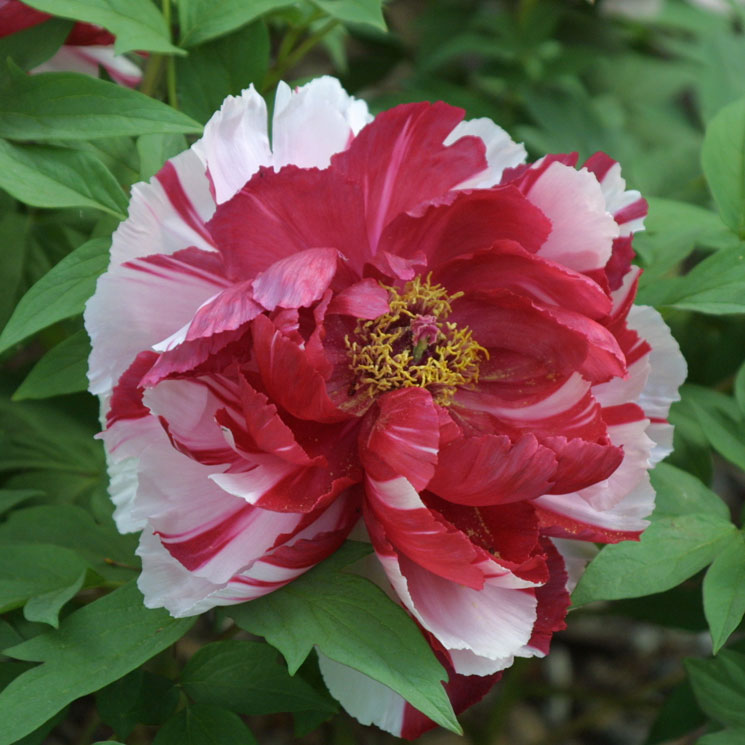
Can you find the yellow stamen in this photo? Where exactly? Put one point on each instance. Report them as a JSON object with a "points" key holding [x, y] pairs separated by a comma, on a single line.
{"points": [[384, 355]]}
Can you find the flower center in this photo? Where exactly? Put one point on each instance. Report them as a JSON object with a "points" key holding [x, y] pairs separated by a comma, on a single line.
{"points": [[414, 346]]}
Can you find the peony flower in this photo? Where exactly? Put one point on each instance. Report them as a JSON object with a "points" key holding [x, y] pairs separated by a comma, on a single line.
{"points": [[86, 48], [390, 323]]}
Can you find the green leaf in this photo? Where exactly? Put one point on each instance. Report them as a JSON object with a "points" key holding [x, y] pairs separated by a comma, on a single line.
{"points": [[59, 294], [32, 46], [140, 697], [222, 68], [355, 11], [45, 608], [724, 591], [29, 570], [740, 388], [671, 550], [72, 527], [724, 737], [248, 678], [51, 177], [61, 370], [678, 715], [124, 635], [14, 228], [354, 623], [68, 106], [719, 685], [9, 498], [716, 285], [136, 24], [723, 160], [155, 150], [717, 423], [202, 20], [679, 493], [204, 725]]}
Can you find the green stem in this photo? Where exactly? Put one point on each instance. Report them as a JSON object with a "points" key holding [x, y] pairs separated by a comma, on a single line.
{"points": [[291, 59], [171, 61], [152, 74]]}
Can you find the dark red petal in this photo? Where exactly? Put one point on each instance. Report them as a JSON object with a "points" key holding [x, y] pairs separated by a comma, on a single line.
{"points": [[16, 16], [288, 377], [126, 398], [279, 214], [553, 600], [581, 463], [466, 223], [507, 266], [399, 161], [490, 469]]}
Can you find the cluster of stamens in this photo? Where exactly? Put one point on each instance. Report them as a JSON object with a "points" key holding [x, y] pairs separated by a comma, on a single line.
{"points": [[413, 345]]}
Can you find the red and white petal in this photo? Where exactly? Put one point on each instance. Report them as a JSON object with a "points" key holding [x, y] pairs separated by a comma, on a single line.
{"points": [[297, 281], [395, 508], [138, 304], [404, 434], [627, 207], [582, 229], [501, 151], [367, 700], [168, 213], [494, 622], [399, 161], [313, 122], [235, 143], [565, 516], [86, 59], [668, 368], [491, 469]]}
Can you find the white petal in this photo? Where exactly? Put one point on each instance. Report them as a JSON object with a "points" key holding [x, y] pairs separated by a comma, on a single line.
{"points": [[367, 700], [313, 122], [577, 555], [235, 143], [582, 229], [501, 151]]}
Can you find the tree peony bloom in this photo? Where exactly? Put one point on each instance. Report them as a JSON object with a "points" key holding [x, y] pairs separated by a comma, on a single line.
{"points": [[85, 49], [394, 323]]}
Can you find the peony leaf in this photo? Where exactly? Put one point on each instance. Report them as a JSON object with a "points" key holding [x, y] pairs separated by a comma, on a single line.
{"points": [[61, 370], [73, 528], [32, 46], [352, 622], [355, 11], [719, 685], [68, 106], [724, 737], [204, 725], [724, 591], [29, 570], [202, 20], [671, 550], [139, 697], [124, 635], [9, 498], [155, 150], [59, 294], [715, 286], [679, 493], [222, 68], [723, 160], [50, 177], [45, 608], [740, 388], [137, 24], [248, 678]]}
